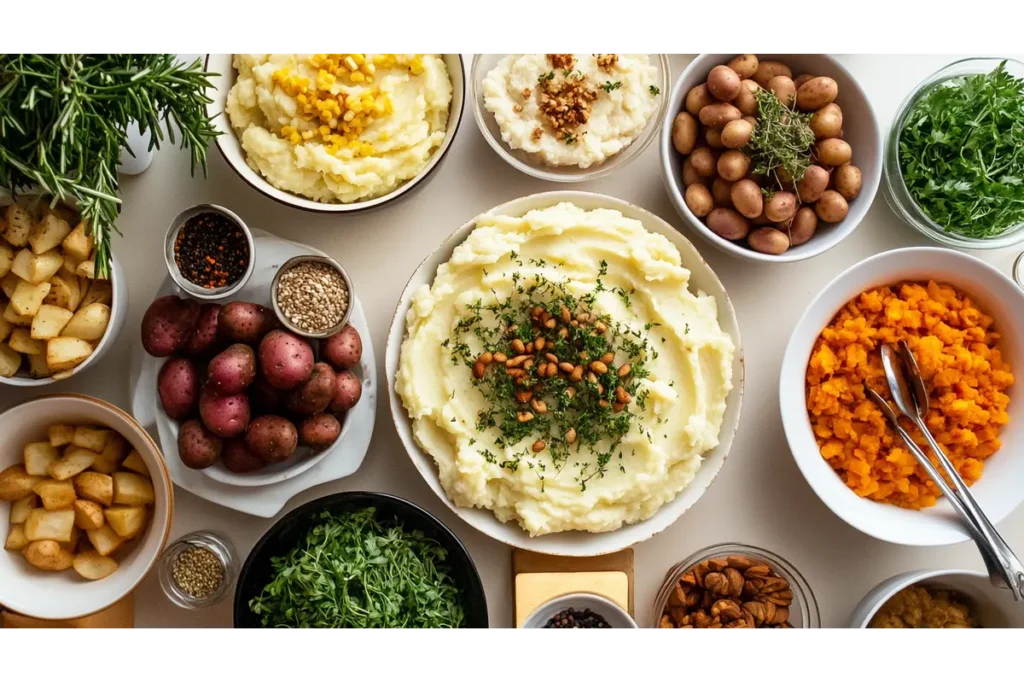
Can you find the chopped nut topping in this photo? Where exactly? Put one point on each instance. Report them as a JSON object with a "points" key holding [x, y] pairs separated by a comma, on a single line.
{"points": [[566, 62], [566, 104], [606, 62], [535, 136], [527, 92], [517, 108]]}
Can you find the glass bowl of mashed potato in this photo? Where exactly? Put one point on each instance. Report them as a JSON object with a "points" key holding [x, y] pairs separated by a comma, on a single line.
{"points": [[569, 117]]}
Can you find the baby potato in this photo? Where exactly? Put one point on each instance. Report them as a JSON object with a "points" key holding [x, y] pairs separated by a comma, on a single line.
{"points": [[814, 182], [834, 152], [736, 134], [827, 122], [745, 66], [780, 207], [699, 200], [728, 224], [767, 70], [847, 180], [831, 207], [746, 98], [768, 241], [720, 190], [704, 162], [816, 93], [684, 132], [723, 83], [698, 98], [801, 79], [783, 89], [805, 222], [48, 556], [718, 114], [713, 138], [690, 175], [746, 197], [16, 483], [733, 164]]}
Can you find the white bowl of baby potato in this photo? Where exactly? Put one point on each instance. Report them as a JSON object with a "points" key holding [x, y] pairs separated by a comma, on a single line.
{"points": [[97, 566], [56, 317]]}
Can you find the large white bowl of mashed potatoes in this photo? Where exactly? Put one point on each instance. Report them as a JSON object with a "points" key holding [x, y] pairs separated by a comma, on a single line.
{"points": [[539, 459], [335, 132]]}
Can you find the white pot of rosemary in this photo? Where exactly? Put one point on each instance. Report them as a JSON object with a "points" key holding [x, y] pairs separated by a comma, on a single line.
{"points": [[64, 121]]}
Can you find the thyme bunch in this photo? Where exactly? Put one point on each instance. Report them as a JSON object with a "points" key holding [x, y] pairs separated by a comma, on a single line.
{"points": [[780, 146]]}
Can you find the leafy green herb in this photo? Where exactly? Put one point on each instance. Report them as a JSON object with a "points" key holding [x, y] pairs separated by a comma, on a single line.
{"points": [[546, 77], [961, 153], [655, 90], [569, 138], [780, 146], [609, 86], [353, 571], [63, 121]]}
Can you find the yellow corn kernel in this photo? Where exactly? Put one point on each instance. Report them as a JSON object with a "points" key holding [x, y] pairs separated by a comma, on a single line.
{"points": [[359, 59], [349, 115], [302, 99], [294, 138], [368, 69], [416, 66], [307, 135], [324, 130], [384, 136], [357, 77], [354, 144], [367, 149]]}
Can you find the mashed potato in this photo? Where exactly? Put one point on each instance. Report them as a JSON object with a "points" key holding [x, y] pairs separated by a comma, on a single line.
{"points": [[679, 401], [339, 128]]}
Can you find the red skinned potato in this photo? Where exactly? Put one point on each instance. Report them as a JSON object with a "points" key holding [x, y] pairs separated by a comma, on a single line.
{"points": [[315, 394], [167, 324], [347, 391], [319, 431], [232, 370], [198, 448], [239, 459], [272, 438], [245, 322], [343, 350], [178, 388], [286, 360], [224, 415], [203, 340], [264, 398]]}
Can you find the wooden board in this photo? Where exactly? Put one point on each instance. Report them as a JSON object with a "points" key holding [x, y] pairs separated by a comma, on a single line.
{"points": [[119, 615], [575, 574]]}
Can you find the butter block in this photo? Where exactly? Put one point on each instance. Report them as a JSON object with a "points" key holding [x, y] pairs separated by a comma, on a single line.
{"points": [[533, 590]]}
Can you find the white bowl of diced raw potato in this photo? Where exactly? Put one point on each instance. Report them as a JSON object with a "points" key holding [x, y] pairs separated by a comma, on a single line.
{"points": [[56, 317], [85, 506]]}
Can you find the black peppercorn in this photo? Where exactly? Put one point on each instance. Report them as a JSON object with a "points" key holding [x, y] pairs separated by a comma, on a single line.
{"points": [[211, 250], [574, 618]]}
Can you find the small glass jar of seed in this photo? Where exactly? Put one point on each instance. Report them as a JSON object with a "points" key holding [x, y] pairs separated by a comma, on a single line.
{"points": [[198, 570]]}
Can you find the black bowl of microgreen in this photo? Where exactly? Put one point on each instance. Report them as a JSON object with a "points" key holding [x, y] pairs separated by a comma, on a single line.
{"points": [[359, 560], [953, 168]]}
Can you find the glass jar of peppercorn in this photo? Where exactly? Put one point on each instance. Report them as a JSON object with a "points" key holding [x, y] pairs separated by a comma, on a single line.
{"points": [[209, 252]]}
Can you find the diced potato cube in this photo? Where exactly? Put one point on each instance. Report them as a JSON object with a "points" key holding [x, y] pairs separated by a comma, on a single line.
{"points": [[78, 243], [16, 483], [8, 283], [96, 487], [28, 297], [21, 341], [91, 438], [71, 545], [19, 225], [22, 264], [105, 540], [86, 269], [49, 322], [37, 367], [13, 316], [99, 292], [38, 456], [21, 507], [132, 489], [10, 361], [93, 566], [75, 460], [88, 515], [64, 292], [50, 525], [135, 463], [48, 556], [56, 495], [89, 322], [6, 327], [6, 257], [113, 453], [37, 268], [126, 521], [16, 539], [48, 233], [60, 434], [64, 353]]}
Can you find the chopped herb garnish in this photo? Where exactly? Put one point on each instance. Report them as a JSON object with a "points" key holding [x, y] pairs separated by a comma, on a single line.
{"points": [[782, 139], [546, 77], [609, 86], [655, 90]]}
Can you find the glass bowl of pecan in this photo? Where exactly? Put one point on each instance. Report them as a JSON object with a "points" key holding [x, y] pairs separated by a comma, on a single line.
{"points": [[735, 586]]}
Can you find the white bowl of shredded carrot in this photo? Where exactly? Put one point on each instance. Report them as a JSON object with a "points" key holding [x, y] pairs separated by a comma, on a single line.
{"points": [[964, 320]]}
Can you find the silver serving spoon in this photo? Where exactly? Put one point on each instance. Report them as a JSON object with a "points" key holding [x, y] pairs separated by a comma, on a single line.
{"points": [[913, 403]]}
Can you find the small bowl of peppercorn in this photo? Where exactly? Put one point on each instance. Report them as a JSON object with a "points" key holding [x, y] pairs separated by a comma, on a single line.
{"points": [[579, 610], [312, 296], [209, 252]]}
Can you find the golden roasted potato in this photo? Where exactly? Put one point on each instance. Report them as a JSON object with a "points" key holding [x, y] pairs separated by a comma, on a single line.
{"points": [[132, 489], [28, 297], [49, 321], [50, 525], [88, 515], [75, 460], [16, 483], [78, 243], [21, 341], [56, 495], [21, 507], [126, 521], [38, 457], [89, 322], [19, 225], [37, 367], [91, 438], [16, 539], [96, 487], [86, 269], [48, 556], [8, 283], [71, 545], [44, 266], [135, 463], [48, 233], [6, 256], [65, 353], [100, 292], [105, 540], [60, 435], [6, 327], [12, 315], [10, 361], [93, 566], [113, 453]]}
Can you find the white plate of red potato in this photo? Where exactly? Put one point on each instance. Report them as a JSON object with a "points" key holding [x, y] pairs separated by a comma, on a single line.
{"points": [[239, 402]]}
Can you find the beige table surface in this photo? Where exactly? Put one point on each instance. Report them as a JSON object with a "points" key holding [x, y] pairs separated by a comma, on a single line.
{"points": [[759, 498]]}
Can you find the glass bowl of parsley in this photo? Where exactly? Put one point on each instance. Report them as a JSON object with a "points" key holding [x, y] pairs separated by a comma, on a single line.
{"points": [[954, 165]]}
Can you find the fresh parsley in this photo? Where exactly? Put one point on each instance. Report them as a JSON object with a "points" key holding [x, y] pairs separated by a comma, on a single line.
{"points": [[609, 86], [655, 90]]}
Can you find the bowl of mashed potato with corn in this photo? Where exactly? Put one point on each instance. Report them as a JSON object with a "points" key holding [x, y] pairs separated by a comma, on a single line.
{"points": [[566, 373], [335, 132]]}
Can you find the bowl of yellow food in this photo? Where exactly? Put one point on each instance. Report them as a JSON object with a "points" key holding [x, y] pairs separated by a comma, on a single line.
{"points": [[964, 321], [335, 133]]}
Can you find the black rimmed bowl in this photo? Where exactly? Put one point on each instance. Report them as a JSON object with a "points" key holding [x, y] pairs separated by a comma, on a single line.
{"points": [[292, 528]]}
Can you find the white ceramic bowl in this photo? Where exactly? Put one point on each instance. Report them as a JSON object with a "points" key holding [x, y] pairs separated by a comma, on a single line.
{"points": [[998, 491], [65, 595], [118, 312], [612, 613], [574, 543], [993, 607], [233, 153], [860, 129]]}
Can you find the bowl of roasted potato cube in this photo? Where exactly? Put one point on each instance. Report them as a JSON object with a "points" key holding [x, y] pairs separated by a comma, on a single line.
{"points": [[57, 316], [85, 506]]}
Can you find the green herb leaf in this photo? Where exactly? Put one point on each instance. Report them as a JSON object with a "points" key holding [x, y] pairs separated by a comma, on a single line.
{"points": [[609, 86], [781, 144]]}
